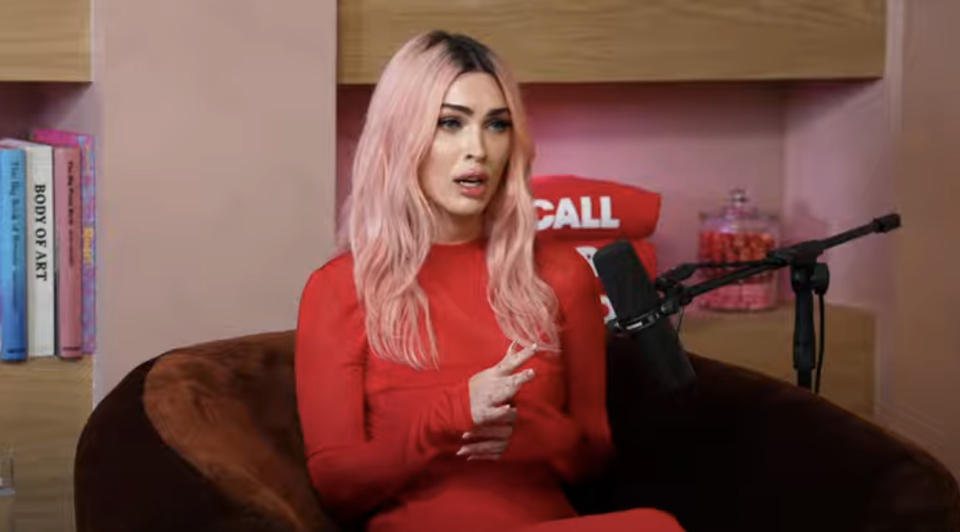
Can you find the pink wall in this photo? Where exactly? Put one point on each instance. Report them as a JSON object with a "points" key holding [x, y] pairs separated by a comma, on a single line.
{"points": [[920, 393], [838, 175], [216, 173], [218, 186], [690, 142], [19, 105]]}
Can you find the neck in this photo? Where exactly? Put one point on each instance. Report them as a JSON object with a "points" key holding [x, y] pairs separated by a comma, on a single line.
{"points": [[458, 231]]}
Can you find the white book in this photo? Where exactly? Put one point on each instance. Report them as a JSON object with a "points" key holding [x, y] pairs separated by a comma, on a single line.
{"points": [[41, 251]]}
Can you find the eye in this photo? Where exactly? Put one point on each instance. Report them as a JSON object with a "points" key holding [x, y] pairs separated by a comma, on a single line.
{"points": [[500, 125], [449, 123]]}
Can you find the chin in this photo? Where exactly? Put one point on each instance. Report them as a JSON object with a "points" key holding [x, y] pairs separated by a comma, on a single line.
{"points": [[466, 208], [465, 214]]}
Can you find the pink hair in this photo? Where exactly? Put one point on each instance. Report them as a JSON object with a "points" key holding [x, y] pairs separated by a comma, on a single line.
{"points": [[390, 224]]}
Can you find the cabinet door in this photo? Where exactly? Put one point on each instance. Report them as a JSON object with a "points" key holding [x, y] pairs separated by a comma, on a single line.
{"points": [[45, 40], [632, 40]]}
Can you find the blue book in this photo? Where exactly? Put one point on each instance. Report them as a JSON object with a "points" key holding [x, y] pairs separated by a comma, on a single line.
{"points": [[13, 249]]}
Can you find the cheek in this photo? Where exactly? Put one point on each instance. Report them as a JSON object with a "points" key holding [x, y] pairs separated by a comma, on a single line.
{"points": [[500, 151], [435, 170]]}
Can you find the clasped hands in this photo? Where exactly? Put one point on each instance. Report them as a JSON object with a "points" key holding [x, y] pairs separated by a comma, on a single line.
{"points": [[493, 416]]}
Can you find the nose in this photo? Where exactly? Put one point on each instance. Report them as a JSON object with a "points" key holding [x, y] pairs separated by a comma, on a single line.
{"points": [[476, 144]]}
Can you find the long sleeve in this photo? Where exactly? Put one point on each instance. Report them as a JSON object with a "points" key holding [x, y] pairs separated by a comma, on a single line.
{"points": [[575, 441], [584, 341], [352, 473]]}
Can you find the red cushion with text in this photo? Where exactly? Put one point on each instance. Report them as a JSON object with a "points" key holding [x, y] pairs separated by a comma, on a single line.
{"points": [[570, 206], [646, 251]]}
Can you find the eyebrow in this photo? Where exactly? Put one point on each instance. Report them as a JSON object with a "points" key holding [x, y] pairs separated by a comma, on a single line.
{"points": [[469, 112]]}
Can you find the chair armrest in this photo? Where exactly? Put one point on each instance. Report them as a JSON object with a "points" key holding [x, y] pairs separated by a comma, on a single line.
{"points": [[748, 452], [203, 438], [126, 479]]}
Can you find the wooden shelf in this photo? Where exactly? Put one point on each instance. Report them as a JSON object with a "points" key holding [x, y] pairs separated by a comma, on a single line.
{"points": [[45, 40], [544, 40], [632, 40], [763, 341], [44, 404]]}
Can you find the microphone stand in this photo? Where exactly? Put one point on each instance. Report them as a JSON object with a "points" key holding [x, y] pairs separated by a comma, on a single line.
{"points": [[808, 276]]}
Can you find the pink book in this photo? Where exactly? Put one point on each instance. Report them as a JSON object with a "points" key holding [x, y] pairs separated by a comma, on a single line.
{"points": [[66, 199]]}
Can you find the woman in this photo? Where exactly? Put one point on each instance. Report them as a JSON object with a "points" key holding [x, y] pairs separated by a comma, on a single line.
{"points": [[450, 371]]}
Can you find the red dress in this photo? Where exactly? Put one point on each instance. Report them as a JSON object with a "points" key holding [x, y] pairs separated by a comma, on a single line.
{"points": [[381, 438]]}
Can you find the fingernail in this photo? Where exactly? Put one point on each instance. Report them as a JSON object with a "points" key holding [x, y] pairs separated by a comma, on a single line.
{"points": [[461, 451], [466, 435]]}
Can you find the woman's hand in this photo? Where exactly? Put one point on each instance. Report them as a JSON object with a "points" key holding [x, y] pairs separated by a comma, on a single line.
{"points": [[490, 394]]}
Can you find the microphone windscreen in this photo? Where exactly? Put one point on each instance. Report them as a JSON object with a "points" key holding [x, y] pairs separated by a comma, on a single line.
{"points": [[625, 280]]}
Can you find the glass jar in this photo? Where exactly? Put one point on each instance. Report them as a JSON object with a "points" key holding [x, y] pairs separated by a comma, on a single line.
{"points": [[739, 231]]}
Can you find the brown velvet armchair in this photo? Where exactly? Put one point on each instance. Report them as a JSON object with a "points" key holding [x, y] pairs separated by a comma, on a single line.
{"points": [[206, 438]]}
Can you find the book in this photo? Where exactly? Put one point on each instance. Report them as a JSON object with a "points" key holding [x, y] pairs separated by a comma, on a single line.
{"points": [[69, 243], [13, 264]]}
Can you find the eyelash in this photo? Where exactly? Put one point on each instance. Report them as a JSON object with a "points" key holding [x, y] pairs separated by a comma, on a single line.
{"points": [[499, 124]]}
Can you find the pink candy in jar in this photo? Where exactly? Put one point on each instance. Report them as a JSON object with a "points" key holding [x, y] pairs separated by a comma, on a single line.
{"points": [[738, 232]]}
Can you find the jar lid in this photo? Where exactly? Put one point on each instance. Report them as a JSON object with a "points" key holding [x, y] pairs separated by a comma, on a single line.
{"points": [[739, 206]]}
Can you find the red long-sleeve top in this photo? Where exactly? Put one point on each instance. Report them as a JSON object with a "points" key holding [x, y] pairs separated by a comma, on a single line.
{"points": [[381, 437]]}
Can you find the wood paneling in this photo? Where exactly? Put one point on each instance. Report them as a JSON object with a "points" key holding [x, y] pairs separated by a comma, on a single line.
{"points": [[44, 404], [45, 40], [632, 40]]}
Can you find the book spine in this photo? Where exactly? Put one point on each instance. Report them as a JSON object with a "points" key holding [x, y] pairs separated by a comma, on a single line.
{"points": [[67, 219], [13, 267], [41, 253], [88, 270]]}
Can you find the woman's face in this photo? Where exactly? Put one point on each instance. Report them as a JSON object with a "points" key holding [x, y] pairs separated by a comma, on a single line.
{"points": [[466, 162]]}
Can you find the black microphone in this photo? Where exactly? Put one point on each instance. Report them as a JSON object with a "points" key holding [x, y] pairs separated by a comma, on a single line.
{"points": [[639, 318]]}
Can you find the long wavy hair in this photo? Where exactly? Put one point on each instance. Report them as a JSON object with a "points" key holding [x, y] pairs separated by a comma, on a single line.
{"points": [[390, 225]]}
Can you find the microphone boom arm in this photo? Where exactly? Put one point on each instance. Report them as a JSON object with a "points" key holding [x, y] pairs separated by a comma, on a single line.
{"points": [[807, 276]]}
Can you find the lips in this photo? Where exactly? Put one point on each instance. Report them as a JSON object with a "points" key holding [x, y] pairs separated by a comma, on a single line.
{"points": [[473, 184], [472, 179]]}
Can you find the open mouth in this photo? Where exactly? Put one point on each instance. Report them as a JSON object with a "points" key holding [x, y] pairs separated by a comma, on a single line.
{"points": [[471, 182], [472, 185]]}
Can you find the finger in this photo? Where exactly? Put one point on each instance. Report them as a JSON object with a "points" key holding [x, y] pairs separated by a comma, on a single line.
{"points": [[500, 414], [489, 432], [519, 379], [483, 447], [504, 415], [514, 359], [484, 457], [511, 385]]}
